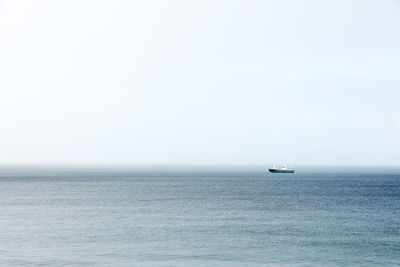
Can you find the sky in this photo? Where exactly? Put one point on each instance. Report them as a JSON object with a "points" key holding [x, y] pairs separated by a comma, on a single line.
{"points": [[200, 82]]}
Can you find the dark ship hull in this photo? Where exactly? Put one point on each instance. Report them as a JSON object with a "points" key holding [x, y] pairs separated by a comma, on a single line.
{"points": [[281, 171]]}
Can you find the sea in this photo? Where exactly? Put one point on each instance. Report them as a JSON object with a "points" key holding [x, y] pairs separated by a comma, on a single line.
{"points": [[199, 216]]}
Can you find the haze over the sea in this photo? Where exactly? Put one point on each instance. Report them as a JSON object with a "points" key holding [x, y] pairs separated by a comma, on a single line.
{"points": [[200, 82]]}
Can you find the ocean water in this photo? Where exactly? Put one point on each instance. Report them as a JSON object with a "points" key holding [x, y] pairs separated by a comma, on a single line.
{"points": [[59, 216]]}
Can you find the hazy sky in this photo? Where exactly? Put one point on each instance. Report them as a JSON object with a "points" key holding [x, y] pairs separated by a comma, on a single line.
{"points": [[200, 82]]}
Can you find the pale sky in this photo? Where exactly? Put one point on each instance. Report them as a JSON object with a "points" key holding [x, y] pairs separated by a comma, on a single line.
{"points": [[200, 82]]}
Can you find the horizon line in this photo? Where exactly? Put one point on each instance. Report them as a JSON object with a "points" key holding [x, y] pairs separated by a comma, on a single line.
{"points": [[186, 165]]}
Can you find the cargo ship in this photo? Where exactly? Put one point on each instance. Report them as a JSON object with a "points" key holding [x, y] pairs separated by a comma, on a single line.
{"points": [[283, 169]]}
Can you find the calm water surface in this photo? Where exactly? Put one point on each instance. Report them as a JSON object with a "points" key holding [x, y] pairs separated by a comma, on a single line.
{"points": [[194, 217]]}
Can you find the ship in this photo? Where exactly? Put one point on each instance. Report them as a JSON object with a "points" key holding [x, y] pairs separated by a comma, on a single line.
{"points": [[283, 169]]}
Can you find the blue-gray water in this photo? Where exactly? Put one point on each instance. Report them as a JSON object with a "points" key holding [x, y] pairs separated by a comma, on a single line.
{"points": [[194, 217]]}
